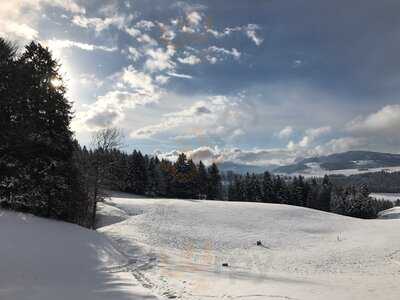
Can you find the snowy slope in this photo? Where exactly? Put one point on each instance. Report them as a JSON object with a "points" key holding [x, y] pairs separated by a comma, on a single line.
{"points": [[315, 170], [307, 254], [392, 213], [43, 259], [386, 196]]}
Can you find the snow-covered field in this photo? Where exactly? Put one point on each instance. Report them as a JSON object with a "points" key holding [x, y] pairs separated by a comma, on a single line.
{"points": [[177, 248], [386, 196], [392, 213], [314, 170], [43, 259]]}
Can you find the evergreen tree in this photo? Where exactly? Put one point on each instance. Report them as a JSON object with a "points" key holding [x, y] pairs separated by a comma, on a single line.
{"points": [[202, 181], [214, 183], [268, 194], [39, 141], [137, 173]]}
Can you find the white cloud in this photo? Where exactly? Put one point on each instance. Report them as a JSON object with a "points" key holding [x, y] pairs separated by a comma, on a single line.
{"points": [[250, 30], [194, 18], [222, 52], [212, 59], [15, 30], [100, 24], [184, 76], [110, 109], [168, 35], [385, 122], [147, 40], [161, 79], [19, 19], [216, 118], [309, 137], [134, 54], [160, 59], [145, 24], [90, 79], [252, 34], [141, 82], [133, 31], [190, 60], [208, 155], [285, 132], [342, 144], [57, 45]]}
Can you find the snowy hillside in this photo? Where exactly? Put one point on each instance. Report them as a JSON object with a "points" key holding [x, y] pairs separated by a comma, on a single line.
{"points": [[49, 260], [346, 163], [179, 248], [392, 213]]}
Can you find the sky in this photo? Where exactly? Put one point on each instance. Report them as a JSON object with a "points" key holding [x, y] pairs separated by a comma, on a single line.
{"points": [[262, 82]]}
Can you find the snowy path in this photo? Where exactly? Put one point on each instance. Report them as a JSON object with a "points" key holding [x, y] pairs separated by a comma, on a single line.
{"points": [[178, 246]]}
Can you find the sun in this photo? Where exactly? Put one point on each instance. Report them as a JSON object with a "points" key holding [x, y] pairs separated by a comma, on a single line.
{"points": [[56, 82]]}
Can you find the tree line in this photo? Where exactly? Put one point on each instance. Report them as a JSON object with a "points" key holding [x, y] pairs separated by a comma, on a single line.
{"points": [[316, 193], [377, 182], [149, 176]]}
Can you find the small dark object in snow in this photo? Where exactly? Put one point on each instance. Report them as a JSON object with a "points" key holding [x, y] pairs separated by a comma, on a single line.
{"points": [[225, 265], [259, 243]]}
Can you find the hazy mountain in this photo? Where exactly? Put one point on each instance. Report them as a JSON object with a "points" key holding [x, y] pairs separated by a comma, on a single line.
{"points": [[243, 169]]}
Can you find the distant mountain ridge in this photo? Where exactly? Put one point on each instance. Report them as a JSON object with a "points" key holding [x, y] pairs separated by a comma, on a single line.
{"points": [[243, 168], [361, 160]]}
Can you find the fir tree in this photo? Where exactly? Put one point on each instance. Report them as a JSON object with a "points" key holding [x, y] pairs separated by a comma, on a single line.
{"points": [[214, 183]]}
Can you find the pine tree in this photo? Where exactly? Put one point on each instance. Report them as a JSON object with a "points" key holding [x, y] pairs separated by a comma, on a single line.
{"points": [[214, 183], [39, 141], [137, 173], [202, 181], [268, 195]]}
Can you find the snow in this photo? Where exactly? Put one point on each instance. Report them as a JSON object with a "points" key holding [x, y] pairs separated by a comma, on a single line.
{"points": [[169, 248], [46, 260], [315, 170], [107, 215], [386, 196], [392, 213], [178, 248]]}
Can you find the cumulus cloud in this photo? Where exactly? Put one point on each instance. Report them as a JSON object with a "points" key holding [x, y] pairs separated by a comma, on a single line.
{"points": [[285, 132], [252, 34], [17, 31], [342, 144], [160, 59], [145, 24], [19, 19], [100, 24], [190, 60], [208, 155], [110, 109], [385, 122], [216, 118], [142, 83], [145, 39], [309, 137], [133, 54], [90, 79], [222, 53], [194, 18]]}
